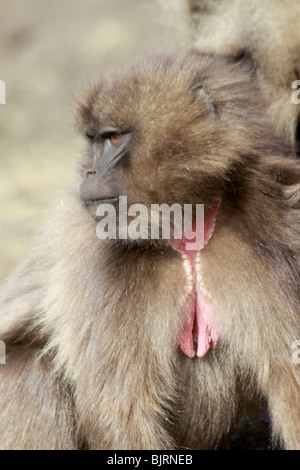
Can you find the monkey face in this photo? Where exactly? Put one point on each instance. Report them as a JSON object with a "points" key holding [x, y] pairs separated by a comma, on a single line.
{"points": [[168, 131]]}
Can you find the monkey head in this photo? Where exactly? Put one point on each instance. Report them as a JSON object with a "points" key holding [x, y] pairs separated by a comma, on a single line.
{"points": [[170, 130]]}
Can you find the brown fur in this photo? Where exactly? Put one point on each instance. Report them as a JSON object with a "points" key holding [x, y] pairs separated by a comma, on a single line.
{"points": [[266, 30], [105, 316], [36, 410]]}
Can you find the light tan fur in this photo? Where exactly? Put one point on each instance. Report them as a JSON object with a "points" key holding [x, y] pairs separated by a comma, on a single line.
{"points": [[93, 324]]}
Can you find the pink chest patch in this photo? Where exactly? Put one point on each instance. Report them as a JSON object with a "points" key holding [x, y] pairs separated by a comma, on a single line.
{"points": [[198, 314]]}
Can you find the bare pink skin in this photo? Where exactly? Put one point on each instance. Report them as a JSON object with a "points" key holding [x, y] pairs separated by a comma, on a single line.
{"points": [[198, 311]]}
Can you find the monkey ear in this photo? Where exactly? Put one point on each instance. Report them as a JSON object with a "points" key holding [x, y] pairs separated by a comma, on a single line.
{"points": [[199, 88], [200, 94], [244, 58]]}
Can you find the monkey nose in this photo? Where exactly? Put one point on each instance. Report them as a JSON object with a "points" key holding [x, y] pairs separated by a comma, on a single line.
{"points": [[90, 174]]}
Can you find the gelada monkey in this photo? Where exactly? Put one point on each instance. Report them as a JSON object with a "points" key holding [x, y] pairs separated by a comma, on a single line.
{"points": [[268, 31], [144, 344]]}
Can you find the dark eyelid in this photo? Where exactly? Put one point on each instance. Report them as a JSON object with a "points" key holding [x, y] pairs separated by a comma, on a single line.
{"points": [[105, 133], [110, 130], [89, 135]]}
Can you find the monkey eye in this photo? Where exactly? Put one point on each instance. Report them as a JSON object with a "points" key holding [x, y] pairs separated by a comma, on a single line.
{"points": [[114, 137], [89, 135]]}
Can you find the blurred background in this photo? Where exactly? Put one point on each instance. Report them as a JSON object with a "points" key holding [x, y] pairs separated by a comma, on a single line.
{"points": [[48, 51]]}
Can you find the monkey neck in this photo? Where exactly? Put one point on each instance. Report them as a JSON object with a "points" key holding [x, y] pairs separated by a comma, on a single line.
{"points": [[197, 312]]}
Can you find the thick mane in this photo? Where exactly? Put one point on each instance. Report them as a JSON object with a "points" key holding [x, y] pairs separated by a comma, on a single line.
{"points": [[103, 334]]}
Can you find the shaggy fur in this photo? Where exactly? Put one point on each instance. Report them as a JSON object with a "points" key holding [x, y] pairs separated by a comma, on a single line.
{"points": [[92, 325], [267, 30]]}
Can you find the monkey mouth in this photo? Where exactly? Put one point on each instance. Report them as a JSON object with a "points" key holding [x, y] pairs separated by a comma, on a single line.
{"points": [[103, 200], [198, 325], [93, 204]]}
